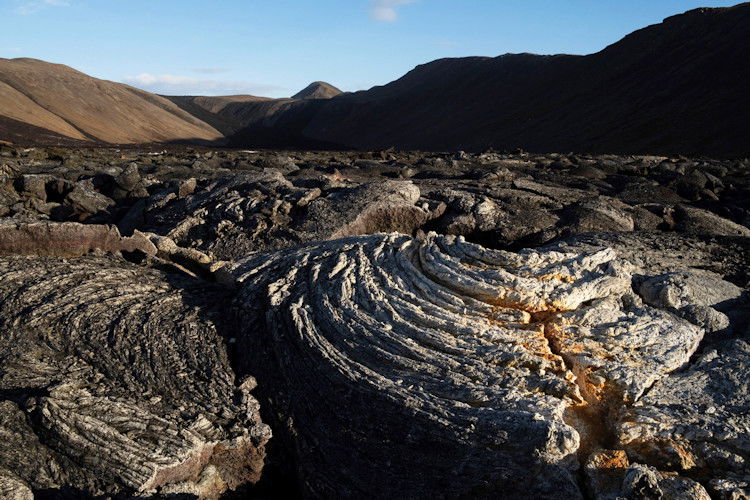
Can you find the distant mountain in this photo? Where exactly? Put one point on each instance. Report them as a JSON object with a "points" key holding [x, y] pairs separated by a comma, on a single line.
{"points": [[682, 86], [211, 109], [50, 101], [317, 90], [230, 114]]}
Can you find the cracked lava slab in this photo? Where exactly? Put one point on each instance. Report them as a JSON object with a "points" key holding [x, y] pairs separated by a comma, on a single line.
{"points": [[435, 366]]}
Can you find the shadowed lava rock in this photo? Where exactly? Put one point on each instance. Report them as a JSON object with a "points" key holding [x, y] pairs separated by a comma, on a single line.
{"points": [[698, 221], [115, 379], [612, 476], [432, 357], [228, 217], [662, 253]]}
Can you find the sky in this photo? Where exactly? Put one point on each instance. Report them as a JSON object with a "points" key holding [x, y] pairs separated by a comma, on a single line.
{"points": [[275, 48]]}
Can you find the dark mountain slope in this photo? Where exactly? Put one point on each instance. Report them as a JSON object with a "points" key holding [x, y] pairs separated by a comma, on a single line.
{"points": [[229, 114], [217, 110], [682, 86]]}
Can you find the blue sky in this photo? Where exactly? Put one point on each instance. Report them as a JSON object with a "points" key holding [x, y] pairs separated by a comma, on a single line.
{"points": [[276, 47]]}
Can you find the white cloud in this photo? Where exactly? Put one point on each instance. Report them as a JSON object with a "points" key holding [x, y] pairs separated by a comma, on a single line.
{"points": [[186, 85], [210, 71], [26, 8], [385, 10]]}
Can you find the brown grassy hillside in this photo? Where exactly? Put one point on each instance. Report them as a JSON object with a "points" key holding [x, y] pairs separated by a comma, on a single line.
{"points": [[70, 103]]}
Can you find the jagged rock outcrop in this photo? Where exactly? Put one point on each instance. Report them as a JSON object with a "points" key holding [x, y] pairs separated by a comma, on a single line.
{"points": [[49, 197], [654, 254], [452, 364], [618, 348], [370, 208], [232, 217], [233, 203], [115, 379]]}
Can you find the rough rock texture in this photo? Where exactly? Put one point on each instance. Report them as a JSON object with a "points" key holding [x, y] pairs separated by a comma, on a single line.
{"points": [[611, 476], [700, 297], [697, 221], [233, 217], [67, 239], [697, 422], [432, 356], [680, 289], [543, 380], [230, 203], [115, 379], [618, 348], [370, 208], [655, 254], [85, 200]]}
